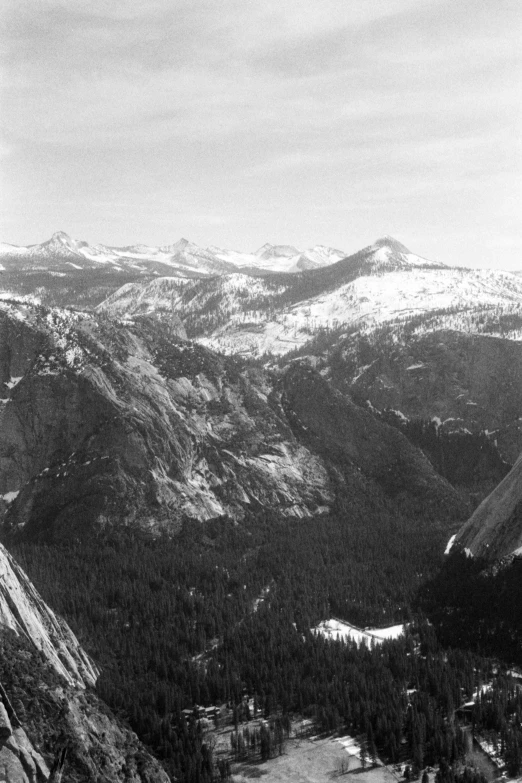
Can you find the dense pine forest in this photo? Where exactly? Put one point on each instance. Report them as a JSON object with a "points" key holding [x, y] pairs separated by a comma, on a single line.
{"points": [[477, 605], [222, 610]]}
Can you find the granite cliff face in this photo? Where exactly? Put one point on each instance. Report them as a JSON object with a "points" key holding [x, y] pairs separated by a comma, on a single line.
{"points": [[24, 612], [47, 712], [366, 449], [19, 760], [494, 530], [110, 423], [124, 422], [462, 382]]}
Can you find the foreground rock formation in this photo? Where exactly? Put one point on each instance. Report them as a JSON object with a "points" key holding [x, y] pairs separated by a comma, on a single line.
{"points": [[495, 529], [48, 715]]}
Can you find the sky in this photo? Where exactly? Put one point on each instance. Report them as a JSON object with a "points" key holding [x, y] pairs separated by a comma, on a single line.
{"points": [[239, 122]]}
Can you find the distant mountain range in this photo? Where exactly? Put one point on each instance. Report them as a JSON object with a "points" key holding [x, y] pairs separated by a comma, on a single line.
{"points": [[410, 338], [133, 424], [183, 258], [179, 391], [400, 332], [275, 314]]}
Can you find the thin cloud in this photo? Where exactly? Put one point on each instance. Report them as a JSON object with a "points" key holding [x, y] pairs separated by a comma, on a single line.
{"points": [[244, 117]]}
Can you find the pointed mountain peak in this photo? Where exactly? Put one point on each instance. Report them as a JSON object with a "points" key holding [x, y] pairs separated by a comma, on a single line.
{"points": [[388, 252], [261, 250], [272, 251], [178, 247], [391, 243], [182, 243], [59, 237], [61, 242]]}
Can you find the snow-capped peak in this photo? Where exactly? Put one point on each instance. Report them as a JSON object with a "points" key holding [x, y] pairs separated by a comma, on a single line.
{"points": [[269, 251], [60, 238], [393, 244], [60, 242], [180, 245], [389, 252]]}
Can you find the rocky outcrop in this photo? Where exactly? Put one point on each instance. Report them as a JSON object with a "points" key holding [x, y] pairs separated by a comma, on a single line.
{"points": [[54, 731], [461, 381], [24, 612], [361, 446], [126, 423], [49, 718], [495, 529], [19, 761]]}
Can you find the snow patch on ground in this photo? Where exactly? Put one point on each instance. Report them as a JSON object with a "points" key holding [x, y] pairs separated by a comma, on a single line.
{"points": [[10, 496], [14, 381], [351, 746], [400, 415], [449, 545], [338, 630]]}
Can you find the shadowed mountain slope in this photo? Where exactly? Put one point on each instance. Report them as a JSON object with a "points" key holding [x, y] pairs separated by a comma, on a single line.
{"points": [[495, 529], [108, 423]]}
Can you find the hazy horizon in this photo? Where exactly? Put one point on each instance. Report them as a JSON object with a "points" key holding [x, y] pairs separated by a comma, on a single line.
{"points": [[236, 124]]}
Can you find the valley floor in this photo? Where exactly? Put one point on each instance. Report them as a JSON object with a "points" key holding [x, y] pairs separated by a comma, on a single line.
{"points": [[312, 760]]}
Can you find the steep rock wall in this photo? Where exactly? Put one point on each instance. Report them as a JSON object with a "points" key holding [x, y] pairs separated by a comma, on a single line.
{"points": [[24, 611], [495, 529]]}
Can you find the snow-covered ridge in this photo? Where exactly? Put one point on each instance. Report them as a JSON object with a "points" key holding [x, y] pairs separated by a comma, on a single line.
{"points": [[387, 251], [380, 285], [183, 256], [368, 302]]}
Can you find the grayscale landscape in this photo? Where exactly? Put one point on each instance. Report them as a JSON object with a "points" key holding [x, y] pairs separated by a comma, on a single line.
{"points": [[260, 392]]}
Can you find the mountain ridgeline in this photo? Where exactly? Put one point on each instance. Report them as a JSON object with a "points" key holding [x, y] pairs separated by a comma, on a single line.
{"points": [[206, 453], [111, 424]]}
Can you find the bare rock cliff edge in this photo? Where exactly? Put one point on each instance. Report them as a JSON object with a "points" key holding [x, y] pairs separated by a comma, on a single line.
{"points": [[48, 711], [495, 529]]}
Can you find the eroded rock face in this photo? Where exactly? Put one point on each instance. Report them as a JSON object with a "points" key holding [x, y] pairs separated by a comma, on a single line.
{"points": [[61, 732], [495, 529], [464, 382], [125, 423], [24, 611], [340, 431], [49, 717], [107, 750], [19, 761]]}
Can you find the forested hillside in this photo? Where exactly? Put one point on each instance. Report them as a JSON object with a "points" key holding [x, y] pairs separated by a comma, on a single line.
{"points": [[221, 609]]}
